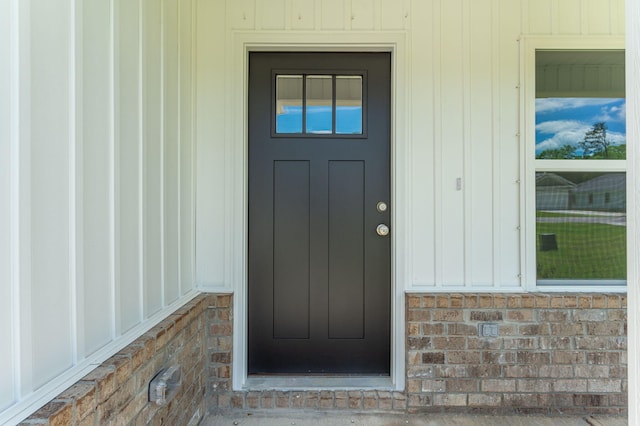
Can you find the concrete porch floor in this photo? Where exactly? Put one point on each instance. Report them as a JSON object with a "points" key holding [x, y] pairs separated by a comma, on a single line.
{"points": [[355, 419]]}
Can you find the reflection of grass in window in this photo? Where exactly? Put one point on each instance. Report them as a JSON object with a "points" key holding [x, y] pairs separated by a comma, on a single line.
{"points": [[553, 214], [585, 251]]}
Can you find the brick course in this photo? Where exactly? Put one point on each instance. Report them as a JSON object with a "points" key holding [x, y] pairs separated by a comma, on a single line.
{"points": [[116, 392], [554, 354]]}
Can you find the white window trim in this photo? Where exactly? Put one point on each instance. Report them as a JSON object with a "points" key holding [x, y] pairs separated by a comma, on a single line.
{"points": [[529, 165]]}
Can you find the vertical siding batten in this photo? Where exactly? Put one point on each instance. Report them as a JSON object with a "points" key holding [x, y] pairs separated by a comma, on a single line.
{"points": [[75, 184], [599, 19], [437, 140], [334, 14], [8, 318], [163, 267], [141, 162], [116, 167], [49, 158], [22, 223], [186, 146], [510, 146], [527, 212], [271, 15], [539, 17], [15, 224], [128, 149], [568, 19], [151, 121], [452, 141], [466, 181], [394, 15], [113, 172], [171, 155], [242, 14], [421, 208], [179, 141], [303, 14], [194, 138], [94, 183], [479, 186], [214, 22], [496, 106], [505, 144], [365, 14]]}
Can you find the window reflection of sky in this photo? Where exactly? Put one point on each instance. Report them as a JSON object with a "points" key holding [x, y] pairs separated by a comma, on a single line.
{"points": [[348, 120], [564, 121]]}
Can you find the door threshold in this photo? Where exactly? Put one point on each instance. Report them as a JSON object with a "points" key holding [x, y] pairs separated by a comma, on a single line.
{"points": [[298, 383]]}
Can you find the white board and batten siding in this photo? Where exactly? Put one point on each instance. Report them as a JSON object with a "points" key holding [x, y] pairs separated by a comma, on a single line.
{"points": [[97, 114], [459, 227]]}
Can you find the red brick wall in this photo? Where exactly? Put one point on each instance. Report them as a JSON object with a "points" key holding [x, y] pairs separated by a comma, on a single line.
{"points": [[116, 392], [554, 353]]}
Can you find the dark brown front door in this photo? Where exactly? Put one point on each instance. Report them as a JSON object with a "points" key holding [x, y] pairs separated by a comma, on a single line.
{"points": [[319, 187]]}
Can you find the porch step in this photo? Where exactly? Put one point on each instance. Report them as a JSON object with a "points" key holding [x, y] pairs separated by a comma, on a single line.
{"points": [[356, 419]]}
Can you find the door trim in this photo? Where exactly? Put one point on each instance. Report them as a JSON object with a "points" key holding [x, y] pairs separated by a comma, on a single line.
{"points": [[236, 176]]}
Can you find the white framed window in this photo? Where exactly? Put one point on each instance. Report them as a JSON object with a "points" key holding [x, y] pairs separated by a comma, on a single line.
{"points": [[574, 164]]}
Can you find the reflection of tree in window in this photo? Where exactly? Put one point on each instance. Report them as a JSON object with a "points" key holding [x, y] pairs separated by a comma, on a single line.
{"points": [[590, 198], [595, 141], [607, 197], [580, 105]]}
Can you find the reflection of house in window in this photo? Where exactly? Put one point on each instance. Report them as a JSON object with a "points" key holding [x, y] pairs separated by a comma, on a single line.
{"points": [[553, 192], [605, 192]]}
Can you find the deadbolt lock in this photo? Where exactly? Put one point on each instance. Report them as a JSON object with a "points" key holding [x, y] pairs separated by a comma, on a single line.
{"points": [[381, 207]]}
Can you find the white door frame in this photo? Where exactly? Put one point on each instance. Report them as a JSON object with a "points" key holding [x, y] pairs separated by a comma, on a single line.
{"points": [[236, 144]]}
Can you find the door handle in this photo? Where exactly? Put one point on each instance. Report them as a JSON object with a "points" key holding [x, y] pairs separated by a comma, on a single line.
{"points": [[382, 230]]}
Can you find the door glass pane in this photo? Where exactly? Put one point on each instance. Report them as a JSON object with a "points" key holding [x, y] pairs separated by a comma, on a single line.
{"points": [[319, 104], [581, 226], [349, 105], [289, 104]]}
